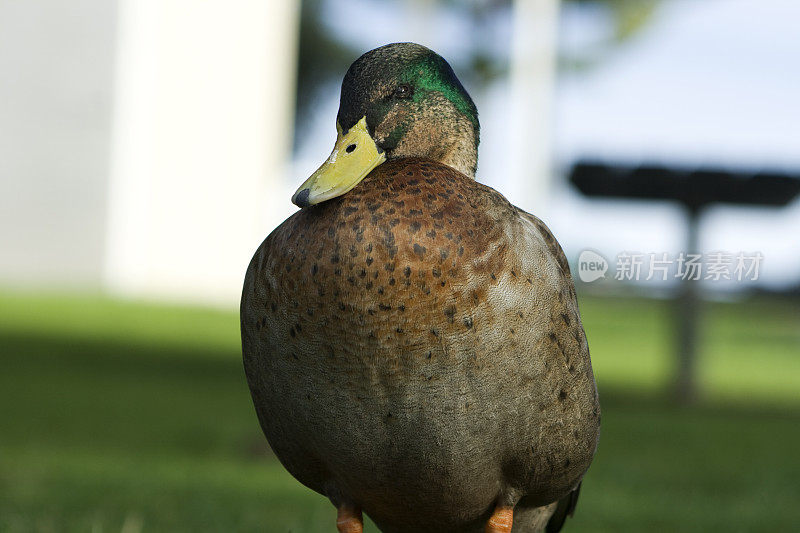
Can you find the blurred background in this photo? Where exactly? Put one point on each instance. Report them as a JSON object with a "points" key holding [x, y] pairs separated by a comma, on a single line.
{"points": [[147, 147]]}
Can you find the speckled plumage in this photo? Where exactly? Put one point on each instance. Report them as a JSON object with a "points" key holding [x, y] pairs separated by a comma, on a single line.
{"points": [[414, 348]]}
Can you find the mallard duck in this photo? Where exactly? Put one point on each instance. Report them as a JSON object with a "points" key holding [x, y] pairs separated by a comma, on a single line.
{"points": [[412, 340]]}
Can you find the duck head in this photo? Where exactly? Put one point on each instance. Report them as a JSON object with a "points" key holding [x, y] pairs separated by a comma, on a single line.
{"points": [[400, 100]]}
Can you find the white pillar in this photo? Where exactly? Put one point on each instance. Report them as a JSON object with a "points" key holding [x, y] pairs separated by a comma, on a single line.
{"points": [[533, 71], [202, 134]]}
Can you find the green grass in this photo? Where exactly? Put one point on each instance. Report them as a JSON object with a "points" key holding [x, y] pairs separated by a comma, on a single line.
{"points": [[749, 351], [136, 417]]}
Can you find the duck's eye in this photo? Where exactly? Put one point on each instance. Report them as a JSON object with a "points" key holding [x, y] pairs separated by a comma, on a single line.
{"points": [[403, 91]]}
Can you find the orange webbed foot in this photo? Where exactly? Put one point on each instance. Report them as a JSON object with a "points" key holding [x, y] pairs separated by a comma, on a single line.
{"points": [[501, 520], [348, 519]]}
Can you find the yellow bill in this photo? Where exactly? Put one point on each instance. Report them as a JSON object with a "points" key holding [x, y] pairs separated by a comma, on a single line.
{"points": [[353, 157]]}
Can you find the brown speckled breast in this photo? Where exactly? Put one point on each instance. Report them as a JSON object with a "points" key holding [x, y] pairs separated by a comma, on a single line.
{"points": [[414, 347]]}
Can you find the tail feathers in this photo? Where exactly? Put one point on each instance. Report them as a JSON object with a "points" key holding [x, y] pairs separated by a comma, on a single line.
{"points": [[566, 507]]}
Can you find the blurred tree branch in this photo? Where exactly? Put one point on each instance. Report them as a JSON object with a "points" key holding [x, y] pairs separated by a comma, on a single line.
{"points": [[630, 16], [323, 55]]}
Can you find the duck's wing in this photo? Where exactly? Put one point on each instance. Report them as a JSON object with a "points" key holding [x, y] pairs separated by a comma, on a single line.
{"points": [[552, 245], [566, 505]]}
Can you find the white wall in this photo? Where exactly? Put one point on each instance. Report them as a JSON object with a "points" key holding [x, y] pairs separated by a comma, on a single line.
{"points": [[143, 143], [202, 131], [56, 71]]}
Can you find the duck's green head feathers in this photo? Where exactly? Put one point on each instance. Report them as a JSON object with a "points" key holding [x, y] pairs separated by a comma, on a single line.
{"points": [[405, 89], [409, 102]]}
